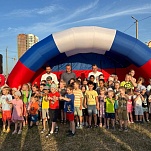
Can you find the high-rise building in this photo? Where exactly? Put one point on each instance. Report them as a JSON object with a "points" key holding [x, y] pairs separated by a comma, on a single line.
{"points": [[24, 42]]}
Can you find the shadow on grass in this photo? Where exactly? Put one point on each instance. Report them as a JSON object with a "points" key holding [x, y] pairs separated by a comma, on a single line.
{"points": [[10, 142], [32, 141], [138, 138]]}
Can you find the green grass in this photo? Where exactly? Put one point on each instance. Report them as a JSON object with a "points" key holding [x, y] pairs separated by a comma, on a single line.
{"points": [[138, 138]]}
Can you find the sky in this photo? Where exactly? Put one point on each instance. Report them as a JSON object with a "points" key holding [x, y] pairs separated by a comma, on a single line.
{"points": [[44, 17]]}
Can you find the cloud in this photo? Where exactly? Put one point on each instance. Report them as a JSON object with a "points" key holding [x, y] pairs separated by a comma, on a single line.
{"points": [[133, 11], [31, 12]]}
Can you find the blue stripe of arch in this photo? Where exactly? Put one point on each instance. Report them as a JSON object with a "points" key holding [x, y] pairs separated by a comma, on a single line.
{"points": [[132, 49], [40, 54]]}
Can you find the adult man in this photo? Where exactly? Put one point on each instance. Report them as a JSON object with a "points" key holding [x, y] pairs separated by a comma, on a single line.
{"points": [[49, 73], [66, 76], [95, 72]]}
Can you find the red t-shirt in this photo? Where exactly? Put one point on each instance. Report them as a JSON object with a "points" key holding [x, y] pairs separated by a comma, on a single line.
{"points": [[54, 104]]}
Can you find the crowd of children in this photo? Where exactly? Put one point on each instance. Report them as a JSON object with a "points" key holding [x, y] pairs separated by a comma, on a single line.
{"points": [[82, 103]]}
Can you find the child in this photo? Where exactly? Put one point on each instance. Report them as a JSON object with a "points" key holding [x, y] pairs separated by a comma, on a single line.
{"points": [[110, 111], [145, 104], [84, 110], [62, 91], [101, 86], [130, 105], [25, 94], [91, 103], [149, 100], [6, 109], [78, 104], [33, 110], [149, 87], [49, 81], [138, 99], [92, 79], [69, 109], [53, 109], [17, 116], [102, 107], [45, 107], [122, 109]]}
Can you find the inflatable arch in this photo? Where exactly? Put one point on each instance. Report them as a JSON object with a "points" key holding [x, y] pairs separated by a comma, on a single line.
{"points": [[87, 45]]}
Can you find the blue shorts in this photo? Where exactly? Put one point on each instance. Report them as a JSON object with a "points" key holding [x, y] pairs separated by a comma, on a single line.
{"points": [[110, 115], [34, 118], [92, 109]]}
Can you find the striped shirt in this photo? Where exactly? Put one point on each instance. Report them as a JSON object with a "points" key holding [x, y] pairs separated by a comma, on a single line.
{"points": [[78, 96]]}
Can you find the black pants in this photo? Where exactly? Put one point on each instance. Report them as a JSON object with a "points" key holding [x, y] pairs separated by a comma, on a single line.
{"points": [[53, 116]]}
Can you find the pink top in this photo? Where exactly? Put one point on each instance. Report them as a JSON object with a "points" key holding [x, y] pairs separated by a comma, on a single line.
{"points": [[17, 110]]}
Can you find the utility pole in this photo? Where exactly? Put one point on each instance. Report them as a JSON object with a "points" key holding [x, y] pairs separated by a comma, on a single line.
{"points": [[6, 62], [136, 21]]}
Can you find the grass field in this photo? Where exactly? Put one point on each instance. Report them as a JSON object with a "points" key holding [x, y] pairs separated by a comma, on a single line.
{"points": [[138, 138]]}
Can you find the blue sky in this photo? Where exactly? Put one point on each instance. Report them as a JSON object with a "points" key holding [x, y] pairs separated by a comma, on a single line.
{"points": [[43, 17]]}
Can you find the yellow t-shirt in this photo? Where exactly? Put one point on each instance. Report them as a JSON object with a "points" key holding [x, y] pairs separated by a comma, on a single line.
{"points": [[78, 95], [45, 104], [127, 85], [91, 97]]}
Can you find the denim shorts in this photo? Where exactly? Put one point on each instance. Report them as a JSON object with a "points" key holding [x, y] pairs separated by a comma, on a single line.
{"points": [[92, 109]]}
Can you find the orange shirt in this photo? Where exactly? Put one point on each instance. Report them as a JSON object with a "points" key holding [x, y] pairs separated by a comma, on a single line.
{"points": [[34, 108]]}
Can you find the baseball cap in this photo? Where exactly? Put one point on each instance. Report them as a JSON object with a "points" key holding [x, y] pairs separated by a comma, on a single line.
{"points": [[17, 93], [49, 78], [53, 86], [46, 88]]}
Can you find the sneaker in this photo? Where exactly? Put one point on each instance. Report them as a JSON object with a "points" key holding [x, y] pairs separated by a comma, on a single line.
{"points": [[71, 134], [132, 122], [121, 129], [61, 121], [8, 130], [4, 130], [89, 126], [107, 127], [15, 132], [42, 131], [147, 120], [77, 127], [95, 126], [113, 128], [81, 127], [69, 131], [19, 132], [125, 130], [56, 130]]}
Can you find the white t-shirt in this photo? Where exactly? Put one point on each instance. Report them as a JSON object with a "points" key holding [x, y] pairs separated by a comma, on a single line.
{"points": [[52, 75], [148, 88], [96, 75], [138, 102]]}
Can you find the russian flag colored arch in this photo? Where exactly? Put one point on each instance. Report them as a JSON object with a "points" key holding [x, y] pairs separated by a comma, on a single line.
{"points": [[82, 46]]}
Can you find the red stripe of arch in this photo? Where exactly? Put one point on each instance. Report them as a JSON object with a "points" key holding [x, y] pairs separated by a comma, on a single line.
{"points": [[19, 75]]}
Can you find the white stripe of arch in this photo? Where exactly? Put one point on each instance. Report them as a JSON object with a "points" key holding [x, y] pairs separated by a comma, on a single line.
{"points": [[84, 40]]}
